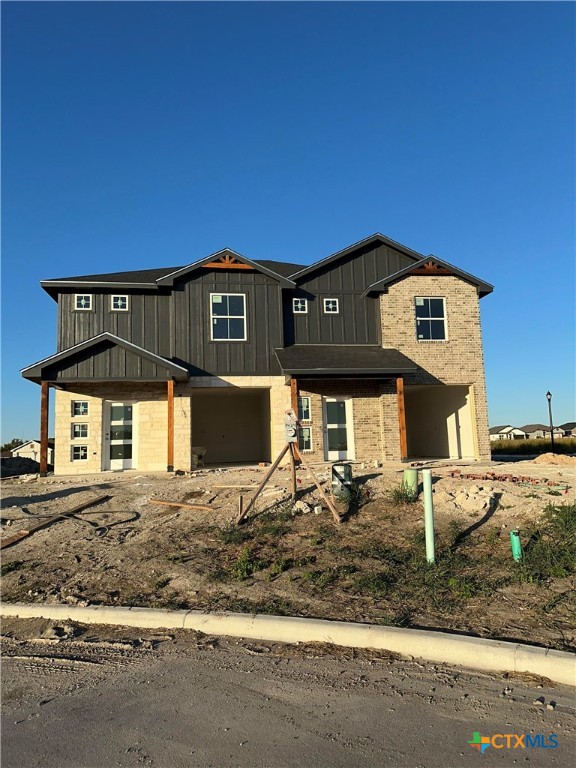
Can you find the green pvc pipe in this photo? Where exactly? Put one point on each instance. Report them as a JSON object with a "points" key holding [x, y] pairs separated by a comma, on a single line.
{"points": [[516, 545], [428, 514], [410, 481]]}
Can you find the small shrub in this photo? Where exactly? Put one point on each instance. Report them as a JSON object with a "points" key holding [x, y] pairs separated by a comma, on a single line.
{"points": [[280, 565], [246, 566], [402, 494]]}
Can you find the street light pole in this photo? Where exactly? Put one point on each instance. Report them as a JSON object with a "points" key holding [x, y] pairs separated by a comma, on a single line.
{"points": [[549, 398]]}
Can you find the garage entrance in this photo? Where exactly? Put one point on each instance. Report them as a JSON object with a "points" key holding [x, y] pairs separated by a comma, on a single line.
{"points": [[232, 424], [439, 422]]}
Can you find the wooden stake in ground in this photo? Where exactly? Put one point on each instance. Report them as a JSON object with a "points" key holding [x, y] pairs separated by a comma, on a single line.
{"points": [[28, 531], [263, 483]]}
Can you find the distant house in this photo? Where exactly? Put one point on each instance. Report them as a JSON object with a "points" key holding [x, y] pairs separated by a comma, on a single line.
{"points": [[535, 431], [506, 432], [31, 450], [558, 432], [568, 429]]}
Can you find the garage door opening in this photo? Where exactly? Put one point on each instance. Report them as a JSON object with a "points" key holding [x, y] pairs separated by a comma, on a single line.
{"points": [[232, 424], [439, 422]]}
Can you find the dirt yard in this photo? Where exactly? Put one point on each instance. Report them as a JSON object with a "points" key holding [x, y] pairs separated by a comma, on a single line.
{"points": [[128, 550]]}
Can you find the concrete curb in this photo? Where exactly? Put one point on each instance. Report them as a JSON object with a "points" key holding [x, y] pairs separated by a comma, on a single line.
{"points": [[475, 653]]}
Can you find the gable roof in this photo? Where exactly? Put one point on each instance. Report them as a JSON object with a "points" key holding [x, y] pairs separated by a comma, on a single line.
{"points": [[570, 425], [375, 239], [151, 279], [34, 372], [223, 255], [433, 265], [496, 430], [30, 442], [534, 427]]}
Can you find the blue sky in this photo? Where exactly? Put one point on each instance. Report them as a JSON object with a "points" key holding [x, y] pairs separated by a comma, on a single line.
{"points": [[139, 135]]}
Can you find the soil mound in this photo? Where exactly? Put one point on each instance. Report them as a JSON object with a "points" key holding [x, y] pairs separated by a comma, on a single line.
{"points": [[556, 458]]}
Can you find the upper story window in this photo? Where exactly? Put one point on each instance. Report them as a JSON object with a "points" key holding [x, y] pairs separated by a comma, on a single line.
{"points": [[304, 409], [119, 303], [300, 306], [430, 318], [79, 408], [80, 430], [228, 316], [83, 301], [331, 306]]}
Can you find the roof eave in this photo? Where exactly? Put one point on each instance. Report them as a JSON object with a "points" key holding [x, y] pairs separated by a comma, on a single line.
{"points": [[377, 236], [169, 279]]}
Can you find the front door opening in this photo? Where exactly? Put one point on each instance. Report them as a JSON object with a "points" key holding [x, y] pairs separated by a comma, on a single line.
{"points": [[338, 433], [120, 436]]}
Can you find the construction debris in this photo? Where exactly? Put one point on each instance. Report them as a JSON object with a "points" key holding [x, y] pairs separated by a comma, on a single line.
{"points": [[24, 533], [203, 507]]}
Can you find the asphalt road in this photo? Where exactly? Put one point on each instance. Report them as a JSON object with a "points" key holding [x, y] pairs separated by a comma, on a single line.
{"points": [[188, 701]]}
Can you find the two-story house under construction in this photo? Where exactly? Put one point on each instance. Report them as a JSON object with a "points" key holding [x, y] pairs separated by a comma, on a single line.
{"points": [[378, 347]]}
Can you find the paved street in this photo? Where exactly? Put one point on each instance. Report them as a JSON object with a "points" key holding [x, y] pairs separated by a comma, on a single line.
{"points": [[188, 701]]}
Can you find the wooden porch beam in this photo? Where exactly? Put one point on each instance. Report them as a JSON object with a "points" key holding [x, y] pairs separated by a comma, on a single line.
{"points": [[170, 388], [401, 418], [44, 403]]}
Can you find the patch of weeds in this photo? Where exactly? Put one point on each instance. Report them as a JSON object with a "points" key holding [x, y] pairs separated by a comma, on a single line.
{"points": [[552, 492], [274, 528], [376, 584], [464, 587], [305, 560], [246, 566], [275, 606], [551, 548], [280, 565], [233, 534], [15, 565], [402, 494], [321, 579], [162, 582], [531, 496], [383, 553], [493, 535]]}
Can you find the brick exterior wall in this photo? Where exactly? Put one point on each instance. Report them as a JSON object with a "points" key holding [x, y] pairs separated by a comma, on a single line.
{"points": [[458, 360]]}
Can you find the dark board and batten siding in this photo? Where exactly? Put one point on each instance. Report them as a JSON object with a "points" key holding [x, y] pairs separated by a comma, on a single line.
{"points": [[146, 324], [358, 321], [192, 332], [107, 362]]}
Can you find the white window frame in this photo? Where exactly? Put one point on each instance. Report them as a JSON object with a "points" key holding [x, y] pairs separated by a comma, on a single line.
{"points": [[443, 318], [83, 296], [79, 449], [309, 419], [228, 317], [119, 296], [81, 415], [77, 427], [297, 311], [331, 311], [306, 450]]}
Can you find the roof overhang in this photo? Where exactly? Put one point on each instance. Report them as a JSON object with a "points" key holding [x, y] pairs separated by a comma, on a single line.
{"points": [[36, 371], [224, 259], [431, 266], [337, 360]]}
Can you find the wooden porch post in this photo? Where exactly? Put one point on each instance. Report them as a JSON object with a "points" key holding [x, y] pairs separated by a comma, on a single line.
{"points": [[170, 384], [401, 418], [294, 406], [44, 402]]}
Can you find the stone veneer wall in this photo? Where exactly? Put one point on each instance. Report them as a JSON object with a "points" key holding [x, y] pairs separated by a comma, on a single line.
{"points": [[151, 424], [458, 360]]}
